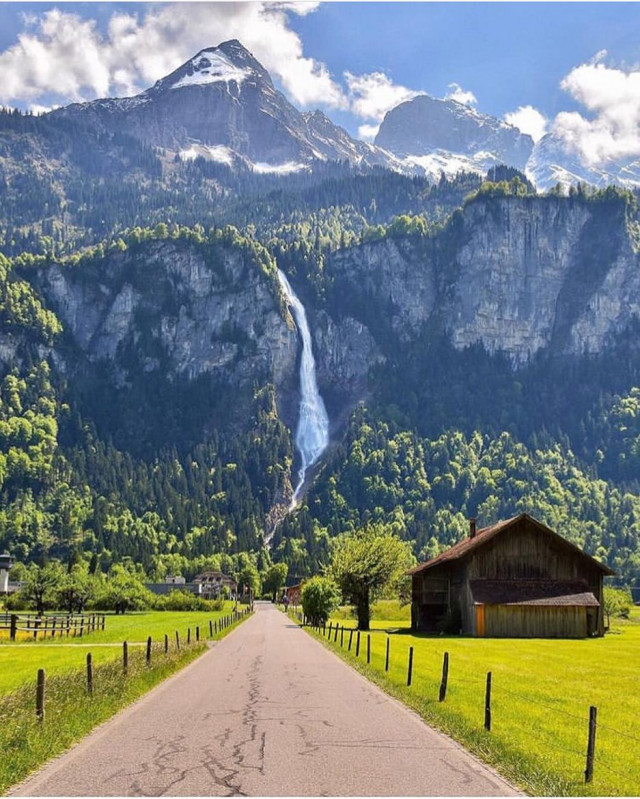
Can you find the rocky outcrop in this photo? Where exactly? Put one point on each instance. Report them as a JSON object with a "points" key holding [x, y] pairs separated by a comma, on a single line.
{"points": [[178, 308], [516, 274], [424, 125], [345, 351]]}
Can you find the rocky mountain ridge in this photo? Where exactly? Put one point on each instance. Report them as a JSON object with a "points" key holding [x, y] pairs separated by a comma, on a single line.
{"points": [[222, 105], [517, 275]]}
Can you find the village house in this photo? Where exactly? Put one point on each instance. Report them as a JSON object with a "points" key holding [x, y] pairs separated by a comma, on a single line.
{"points": [[294, 594], [6, 562], [515, 579], [210, 585]]}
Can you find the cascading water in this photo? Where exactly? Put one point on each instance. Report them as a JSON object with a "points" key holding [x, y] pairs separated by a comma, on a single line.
{"points": [[312, 435]]}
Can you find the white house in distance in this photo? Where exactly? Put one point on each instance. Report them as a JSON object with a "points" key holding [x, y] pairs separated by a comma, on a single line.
{"points": [[6, 562]]}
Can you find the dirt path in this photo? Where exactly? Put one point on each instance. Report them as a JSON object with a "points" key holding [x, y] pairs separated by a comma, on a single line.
{"points": [[268, 711]]}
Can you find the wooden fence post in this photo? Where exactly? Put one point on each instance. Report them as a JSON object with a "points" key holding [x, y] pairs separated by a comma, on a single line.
{"points": [[166, 643], [591, 745], [335, 637], [386, 659], [125, 656], [177, 640], [40, 695], [197, 633], [148, 650], [216, 627], [89, 674], [103, 618], [350, 640], [487, 704], [410, 666], [330, 625], [210, 629], [445, 678], [342, 636], [13, 627], [189, 635], [368, 648], [358, 644]]}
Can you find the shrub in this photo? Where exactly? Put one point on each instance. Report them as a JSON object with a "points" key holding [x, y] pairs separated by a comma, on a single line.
{"points": [[320, 597], [184, 600]]}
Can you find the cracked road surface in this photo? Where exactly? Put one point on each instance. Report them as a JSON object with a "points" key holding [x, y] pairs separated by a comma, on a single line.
{"points": [[267, 711]]}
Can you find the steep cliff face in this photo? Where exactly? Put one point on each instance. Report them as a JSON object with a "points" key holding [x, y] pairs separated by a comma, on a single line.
{"points": [[516, 274], [177, 308]]}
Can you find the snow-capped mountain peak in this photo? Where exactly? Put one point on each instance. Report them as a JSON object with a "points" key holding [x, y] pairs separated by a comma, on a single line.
{"points": [[228, 62]]}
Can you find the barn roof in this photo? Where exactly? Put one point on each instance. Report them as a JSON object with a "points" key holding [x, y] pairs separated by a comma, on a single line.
{"points": [[568, 593], [486, 534]]}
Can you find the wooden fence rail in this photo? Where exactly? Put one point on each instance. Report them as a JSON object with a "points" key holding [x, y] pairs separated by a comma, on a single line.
{"points": [[50, 625]]}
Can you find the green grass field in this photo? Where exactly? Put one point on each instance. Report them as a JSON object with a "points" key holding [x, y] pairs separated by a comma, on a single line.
{"points": [[542, 690], [71, 712], [19, 662]]}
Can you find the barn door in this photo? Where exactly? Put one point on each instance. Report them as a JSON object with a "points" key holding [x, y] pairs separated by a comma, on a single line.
{"points": [[480, 621]]}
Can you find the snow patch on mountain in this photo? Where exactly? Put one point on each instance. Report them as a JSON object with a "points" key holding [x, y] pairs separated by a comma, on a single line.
{"points": [[438, 162], [554, 160], [211, 66], [216, 152], [288, 168]]}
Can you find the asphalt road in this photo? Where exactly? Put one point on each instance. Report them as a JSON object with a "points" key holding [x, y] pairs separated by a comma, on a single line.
{"points": [[267, 711]]}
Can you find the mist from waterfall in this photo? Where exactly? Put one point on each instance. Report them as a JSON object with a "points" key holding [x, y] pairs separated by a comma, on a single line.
{"points": [[312, 435]]}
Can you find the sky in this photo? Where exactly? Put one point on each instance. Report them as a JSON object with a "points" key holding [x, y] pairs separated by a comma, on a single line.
{"points": [[570, 68]]}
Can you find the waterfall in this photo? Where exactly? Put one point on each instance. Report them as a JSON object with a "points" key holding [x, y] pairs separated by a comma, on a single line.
{"points": [[312, 435]]}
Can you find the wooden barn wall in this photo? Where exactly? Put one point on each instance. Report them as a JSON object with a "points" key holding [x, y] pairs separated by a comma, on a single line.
{"points": [[505, 621], [527, 553]]}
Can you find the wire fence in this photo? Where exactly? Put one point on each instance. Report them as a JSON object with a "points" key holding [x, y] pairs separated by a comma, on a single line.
{"points": [[583, 727]]}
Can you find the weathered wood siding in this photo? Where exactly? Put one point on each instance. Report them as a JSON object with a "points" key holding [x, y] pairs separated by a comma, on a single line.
{"points": [[535, 621], [525, 552]]}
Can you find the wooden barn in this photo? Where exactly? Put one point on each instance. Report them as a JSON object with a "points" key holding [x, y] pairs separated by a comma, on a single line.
{"points": [[515, 579]]}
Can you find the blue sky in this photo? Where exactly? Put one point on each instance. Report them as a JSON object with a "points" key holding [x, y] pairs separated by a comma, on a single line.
{"points": [[502, 55]]}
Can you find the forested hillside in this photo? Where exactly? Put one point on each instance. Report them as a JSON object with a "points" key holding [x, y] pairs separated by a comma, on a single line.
{"points": [[476, 346]]}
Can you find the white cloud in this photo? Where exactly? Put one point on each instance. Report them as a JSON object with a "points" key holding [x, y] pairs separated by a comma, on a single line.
{"points": [[460, 95], [612, 98], [373, 94], [368, 132], [63, 55], [529, 120]]}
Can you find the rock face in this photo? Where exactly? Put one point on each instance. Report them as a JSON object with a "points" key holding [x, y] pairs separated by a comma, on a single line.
{"points": [[424, 126], [222, 105], [176, 308], [517, 275]]}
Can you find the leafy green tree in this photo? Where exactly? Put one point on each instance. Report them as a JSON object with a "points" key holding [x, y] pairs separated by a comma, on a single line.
{"points": [[249, 580], [42, 583], [274, 579], [366, 563], [124, 591], [617, 602], [77, 588], [319, 598]]}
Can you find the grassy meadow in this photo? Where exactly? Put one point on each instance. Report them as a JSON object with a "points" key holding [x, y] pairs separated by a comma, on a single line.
{"points": [[21, 660], [70, 711], [541, 693]]}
